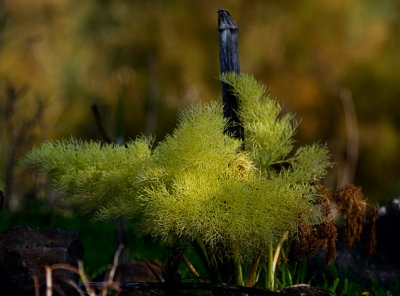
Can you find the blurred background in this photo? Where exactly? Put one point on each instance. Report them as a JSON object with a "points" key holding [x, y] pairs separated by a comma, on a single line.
{"points": [[336, 64]]}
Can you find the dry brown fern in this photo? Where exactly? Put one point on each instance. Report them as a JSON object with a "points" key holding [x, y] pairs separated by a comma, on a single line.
{"points": [[352, 207], [318, 236]]}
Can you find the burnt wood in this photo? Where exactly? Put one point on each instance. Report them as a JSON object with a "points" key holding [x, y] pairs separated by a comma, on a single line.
{"points": [[142, 286], [229, 62]]}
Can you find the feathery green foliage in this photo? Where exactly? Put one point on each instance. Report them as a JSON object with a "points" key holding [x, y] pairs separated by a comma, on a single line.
{"points": [[95, 175], [198, 183], [268, 137]]}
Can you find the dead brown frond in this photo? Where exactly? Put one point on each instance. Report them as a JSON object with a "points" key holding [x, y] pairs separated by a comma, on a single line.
{"points": [[352, 206], [318, 236], [314, 237], [352, 209], [307, 241], [328, 236]]}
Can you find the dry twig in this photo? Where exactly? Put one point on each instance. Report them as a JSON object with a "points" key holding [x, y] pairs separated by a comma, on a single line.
{"points": [[111, 274]]}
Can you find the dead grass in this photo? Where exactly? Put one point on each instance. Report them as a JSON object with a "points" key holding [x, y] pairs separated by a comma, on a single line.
{"points": [[108, 287]]}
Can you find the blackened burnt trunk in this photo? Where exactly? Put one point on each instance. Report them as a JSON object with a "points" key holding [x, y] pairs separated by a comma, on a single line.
{"points": [[229, 62]]}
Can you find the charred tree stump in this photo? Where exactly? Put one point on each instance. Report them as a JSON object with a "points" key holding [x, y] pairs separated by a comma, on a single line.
{"points": [[229, 62]]}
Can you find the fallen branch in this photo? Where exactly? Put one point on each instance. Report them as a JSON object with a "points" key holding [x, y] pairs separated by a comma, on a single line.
{"points": [[133, 286]]}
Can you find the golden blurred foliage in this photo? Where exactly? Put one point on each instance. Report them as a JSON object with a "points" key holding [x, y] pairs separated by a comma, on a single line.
{"points": [[143, 61]]}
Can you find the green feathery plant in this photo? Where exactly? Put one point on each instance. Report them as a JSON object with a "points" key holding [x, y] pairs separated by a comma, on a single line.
{"points": [[199, 184]]}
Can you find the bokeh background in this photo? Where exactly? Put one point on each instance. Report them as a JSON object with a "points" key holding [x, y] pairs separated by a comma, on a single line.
{"points": [[336, 64]]}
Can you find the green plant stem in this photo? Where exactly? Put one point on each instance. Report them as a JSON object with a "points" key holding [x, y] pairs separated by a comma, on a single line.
{"points": [[171, 266], [201, 252], [252, 275], [239, 273], [191, 268], [204, 258], [273, 261], [270, 270], [277, 251]]}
